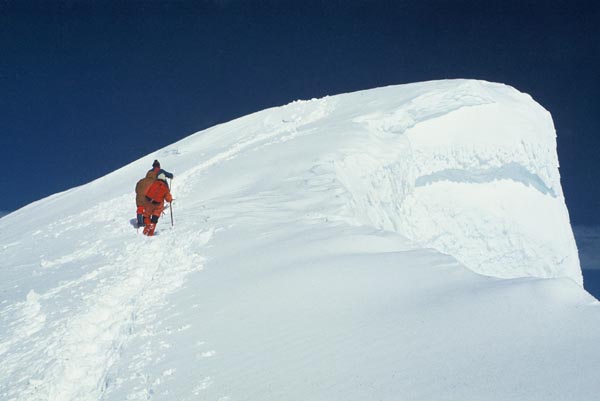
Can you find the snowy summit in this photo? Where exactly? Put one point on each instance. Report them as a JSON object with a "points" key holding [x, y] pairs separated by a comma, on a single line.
{"points": [[402, 243]]}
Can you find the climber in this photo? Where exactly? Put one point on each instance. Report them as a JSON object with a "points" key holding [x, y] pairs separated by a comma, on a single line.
{"points": [[141, 187], [154, 199], [156, 170], [140, 195]]}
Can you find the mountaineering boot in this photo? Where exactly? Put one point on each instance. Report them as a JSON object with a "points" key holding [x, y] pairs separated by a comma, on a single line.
{"points": [[149, 229], [140, 220]]}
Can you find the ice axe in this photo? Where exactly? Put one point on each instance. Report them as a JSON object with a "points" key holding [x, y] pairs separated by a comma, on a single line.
{"points": [[171, 203]]}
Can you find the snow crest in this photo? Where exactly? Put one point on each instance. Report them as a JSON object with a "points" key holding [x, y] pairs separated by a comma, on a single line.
{"points": [[469, 168], [474, 174]]}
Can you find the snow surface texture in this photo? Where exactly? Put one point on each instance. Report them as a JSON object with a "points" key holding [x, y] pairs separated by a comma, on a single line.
{"points": [[324, 250]]}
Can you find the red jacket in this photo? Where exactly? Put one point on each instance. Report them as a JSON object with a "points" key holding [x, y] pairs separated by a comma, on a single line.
{"points": [[159, 192]]}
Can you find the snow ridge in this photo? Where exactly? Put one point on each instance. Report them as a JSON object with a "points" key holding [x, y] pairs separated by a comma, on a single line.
{"points": [[319, 250]]}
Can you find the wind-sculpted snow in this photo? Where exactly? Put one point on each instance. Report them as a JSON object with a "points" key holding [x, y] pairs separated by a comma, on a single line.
{"points": [[472, 171], [512, 172], [479, 182], [320, 250]]}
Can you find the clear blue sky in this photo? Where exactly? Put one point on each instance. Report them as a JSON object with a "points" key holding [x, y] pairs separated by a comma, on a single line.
{"points": [[87, 87]]}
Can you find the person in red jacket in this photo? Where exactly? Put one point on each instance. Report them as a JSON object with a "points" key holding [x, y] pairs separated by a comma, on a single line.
{"points": [[140, 196], [156, 195], [141, 187]]}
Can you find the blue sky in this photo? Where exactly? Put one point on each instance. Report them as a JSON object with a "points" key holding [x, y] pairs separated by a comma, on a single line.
{"points": [[87, 87]]}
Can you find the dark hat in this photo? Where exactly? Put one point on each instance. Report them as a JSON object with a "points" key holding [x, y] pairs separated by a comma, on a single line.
{"points": [[156, 164]]}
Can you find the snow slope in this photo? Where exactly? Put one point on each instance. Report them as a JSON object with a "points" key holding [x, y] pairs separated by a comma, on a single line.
{"points": [[409, 242]]}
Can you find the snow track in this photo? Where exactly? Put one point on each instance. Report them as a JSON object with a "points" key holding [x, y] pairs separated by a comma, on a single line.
{"points": [[80, 345]]}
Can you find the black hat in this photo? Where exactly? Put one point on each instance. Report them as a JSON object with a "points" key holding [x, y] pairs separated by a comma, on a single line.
{"points": [[156, 164]]}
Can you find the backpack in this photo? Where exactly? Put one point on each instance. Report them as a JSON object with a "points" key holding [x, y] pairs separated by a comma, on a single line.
{"points": [[142, 186]]}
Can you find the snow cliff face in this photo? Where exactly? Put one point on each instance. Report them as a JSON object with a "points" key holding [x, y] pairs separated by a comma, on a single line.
{"points": [[318, 252], [468, 168]]}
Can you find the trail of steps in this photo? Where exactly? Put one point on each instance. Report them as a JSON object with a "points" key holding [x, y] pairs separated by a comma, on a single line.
{"points": [[81, 344]]}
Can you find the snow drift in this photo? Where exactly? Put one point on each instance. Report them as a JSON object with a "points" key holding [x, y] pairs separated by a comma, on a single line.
{"points": [[467, 168], [324, 250]]}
